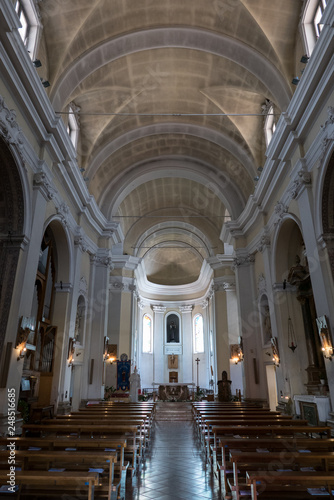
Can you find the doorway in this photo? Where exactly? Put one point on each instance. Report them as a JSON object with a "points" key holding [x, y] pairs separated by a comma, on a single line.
{"points": [[272, 386]]}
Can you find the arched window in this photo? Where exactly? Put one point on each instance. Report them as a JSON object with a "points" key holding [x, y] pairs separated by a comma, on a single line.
{"points": [[311, 25], [30, 25], [73, 125], [198, 334], [147, 333], [269, 125]]}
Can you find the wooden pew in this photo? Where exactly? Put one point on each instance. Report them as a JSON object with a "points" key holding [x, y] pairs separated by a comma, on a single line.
{"points": [[261, 482], [276, 462], [45, 483], [80, 444], [72, 461], [274, 444], [131, 431], [206, 427]]}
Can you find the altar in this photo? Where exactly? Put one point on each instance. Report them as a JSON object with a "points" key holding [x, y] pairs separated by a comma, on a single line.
{"points": [[174, 392]]}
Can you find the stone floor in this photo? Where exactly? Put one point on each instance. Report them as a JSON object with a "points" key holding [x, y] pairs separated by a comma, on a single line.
{"points": [[174, 468]]}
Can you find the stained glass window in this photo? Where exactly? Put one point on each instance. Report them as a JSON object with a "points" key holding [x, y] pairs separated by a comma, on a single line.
{"points": [[147, 333], [198, 333]]}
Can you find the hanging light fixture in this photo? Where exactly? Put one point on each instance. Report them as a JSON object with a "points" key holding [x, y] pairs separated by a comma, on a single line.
{"points": [[292, 344]]}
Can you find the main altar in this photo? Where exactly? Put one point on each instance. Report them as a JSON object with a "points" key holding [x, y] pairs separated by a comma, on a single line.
{"points": [[174, 392]]}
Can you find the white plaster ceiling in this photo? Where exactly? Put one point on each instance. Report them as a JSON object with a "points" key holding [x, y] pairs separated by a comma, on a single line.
{"points": [[160, 61]]}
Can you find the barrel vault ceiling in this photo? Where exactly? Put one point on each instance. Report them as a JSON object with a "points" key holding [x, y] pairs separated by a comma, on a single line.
{"points": [[150, 81]]}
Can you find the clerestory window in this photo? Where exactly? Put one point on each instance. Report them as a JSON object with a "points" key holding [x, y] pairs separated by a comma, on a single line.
{"points": [[30, 25], [311, 22]]}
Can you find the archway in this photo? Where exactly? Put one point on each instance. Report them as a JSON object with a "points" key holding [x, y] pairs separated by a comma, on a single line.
{"points": [[11, 231]]}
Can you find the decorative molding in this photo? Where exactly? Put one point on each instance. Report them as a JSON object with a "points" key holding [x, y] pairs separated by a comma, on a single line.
{"points": [[280, 210], [159, 309], [186, 309], [117, 285], [83, 286], [266, 106], [262, 284], [104, 261], [41, 182], [330, 119], [264, 243], [9, 128], [79, 241], [243, 261], [205, 304], [63, 211]]}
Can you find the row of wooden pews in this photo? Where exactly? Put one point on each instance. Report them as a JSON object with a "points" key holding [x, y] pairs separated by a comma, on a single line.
{"points": [[261, 454], [85, 454]]}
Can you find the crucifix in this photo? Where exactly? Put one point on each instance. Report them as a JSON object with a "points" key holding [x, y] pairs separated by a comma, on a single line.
{"points": [[197, 361]]}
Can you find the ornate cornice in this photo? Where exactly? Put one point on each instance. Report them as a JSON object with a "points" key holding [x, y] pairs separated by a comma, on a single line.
{"points": [[9, 129]]}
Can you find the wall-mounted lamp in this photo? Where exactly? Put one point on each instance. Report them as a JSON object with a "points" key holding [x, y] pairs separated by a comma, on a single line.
{"points": [[21, 341], [304, 59], [236, 353], [274, 346], [326, 342], [110, 352], [22, 351], [82, 169], [295, 80], [37, 63], [71, 345]]}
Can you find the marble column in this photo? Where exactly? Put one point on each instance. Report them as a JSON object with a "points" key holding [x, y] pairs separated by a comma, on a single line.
{"points": [[159, 363], [98, 320], [186, 368], [254, 379]]}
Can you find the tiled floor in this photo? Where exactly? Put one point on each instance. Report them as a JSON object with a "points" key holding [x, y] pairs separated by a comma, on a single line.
{"points": [[174, 468]]}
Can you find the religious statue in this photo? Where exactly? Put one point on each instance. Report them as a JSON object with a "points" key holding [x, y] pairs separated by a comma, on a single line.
{"points": [[134, 385], [172, 332], [172, 328], [224, 388]]}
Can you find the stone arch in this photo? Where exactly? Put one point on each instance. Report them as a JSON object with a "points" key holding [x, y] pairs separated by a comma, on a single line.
{"points": [[12, 220], [63, 249], [327, 211], [220, 45]]}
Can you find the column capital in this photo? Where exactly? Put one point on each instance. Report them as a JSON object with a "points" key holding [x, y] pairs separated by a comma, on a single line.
{"points": [[245, 260], [186, 309], [159, 309]]}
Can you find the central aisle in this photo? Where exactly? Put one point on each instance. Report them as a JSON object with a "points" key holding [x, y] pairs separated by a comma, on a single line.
{"points": [[174, 467]]}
